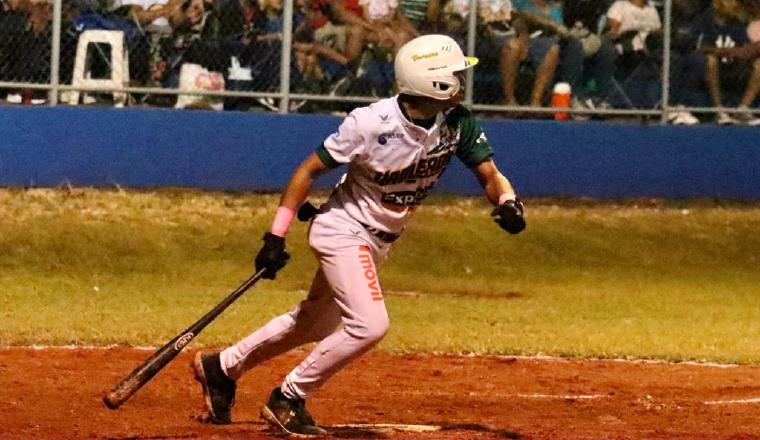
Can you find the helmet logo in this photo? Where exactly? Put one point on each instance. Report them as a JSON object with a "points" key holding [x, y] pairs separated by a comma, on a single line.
{"points": [[423, 56]]}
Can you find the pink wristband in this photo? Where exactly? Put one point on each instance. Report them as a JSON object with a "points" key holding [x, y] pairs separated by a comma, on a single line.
{"points": [[506, 196], [282, 221]]}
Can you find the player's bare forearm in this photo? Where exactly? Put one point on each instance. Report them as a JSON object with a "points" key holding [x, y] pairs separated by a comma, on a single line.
{"points": [[493, 182], [300, 183]]}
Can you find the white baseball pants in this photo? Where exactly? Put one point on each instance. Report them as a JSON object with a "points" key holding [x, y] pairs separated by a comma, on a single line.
{"points": [[345, 290]]}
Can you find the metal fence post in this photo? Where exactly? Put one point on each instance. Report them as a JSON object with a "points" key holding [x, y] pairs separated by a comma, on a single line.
{"points": [[472, 24], [666, 30], [55, 54], [287, 41]]}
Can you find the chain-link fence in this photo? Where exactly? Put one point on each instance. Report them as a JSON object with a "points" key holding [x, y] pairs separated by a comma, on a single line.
{"points": [[678, 60]]}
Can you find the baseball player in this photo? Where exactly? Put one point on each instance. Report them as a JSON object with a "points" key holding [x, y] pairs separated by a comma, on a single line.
{"points": [[395, 150]]}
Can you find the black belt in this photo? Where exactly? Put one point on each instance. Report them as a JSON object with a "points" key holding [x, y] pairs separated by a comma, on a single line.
{"points": [[388, 237]]}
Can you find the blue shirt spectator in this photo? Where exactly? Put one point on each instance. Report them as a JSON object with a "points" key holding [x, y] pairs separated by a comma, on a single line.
{"points": [[547, 9]]}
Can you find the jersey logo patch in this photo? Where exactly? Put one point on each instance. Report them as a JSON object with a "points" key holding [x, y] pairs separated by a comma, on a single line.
{"points": [[384, 119], [388, 135]]}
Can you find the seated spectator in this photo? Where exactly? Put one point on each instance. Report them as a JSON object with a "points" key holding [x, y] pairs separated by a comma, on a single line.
{"points": [[162, 25], [326, 45], [417, 13], [390, 26], [538, 30], [503, 39], [732, 57], [494, 30], [251, 31], [348, 16], [630, 21], [353, 42], [583, 55], [687, 64], [384, 29], [190, 17], [25, 36], [370, 21], [153, 15], [635, 28], [592, 79]]}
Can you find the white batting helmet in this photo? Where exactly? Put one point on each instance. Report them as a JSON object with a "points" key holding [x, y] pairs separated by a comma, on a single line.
{"points": [[426, 66]]}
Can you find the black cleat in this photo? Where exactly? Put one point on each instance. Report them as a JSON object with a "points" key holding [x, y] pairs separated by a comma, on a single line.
{"points": [[218, 389], [289, 416]]}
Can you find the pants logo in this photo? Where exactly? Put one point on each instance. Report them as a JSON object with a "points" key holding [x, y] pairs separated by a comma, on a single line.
{"points": [[365, 259]]}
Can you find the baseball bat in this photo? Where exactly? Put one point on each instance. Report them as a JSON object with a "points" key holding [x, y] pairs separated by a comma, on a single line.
{"points": [[135, 380]]}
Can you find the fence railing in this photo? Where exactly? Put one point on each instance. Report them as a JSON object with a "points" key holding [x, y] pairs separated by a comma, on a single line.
{"points": [[328, 55]]}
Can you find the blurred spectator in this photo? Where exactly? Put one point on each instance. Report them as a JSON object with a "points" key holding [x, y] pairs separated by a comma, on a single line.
{"points": [[540, 50], [351, 43], [687, 64], [246, 34], [495, 29], [156, 33], [732, 58], [377, 21], [25, 47], [385, 30], [584, 56], [327, 45], [418, 13], [635, 27], [348, 16], [149, 14], [592, 79], [390, 26], [634, 19]]}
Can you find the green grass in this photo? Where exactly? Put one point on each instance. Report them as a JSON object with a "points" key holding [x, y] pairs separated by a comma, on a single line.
{"points": [[667, 280]]}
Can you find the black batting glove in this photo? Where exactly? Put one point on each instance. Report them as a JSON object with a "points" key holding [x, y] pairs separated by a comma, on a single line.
{"points": [[272, 256], [307, 211], [509, 216]]}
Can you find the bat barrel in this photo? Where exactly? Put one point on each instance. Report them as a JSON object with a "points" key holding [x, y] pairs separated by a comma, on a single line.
{"points": [[129, 385], [142, 374]]}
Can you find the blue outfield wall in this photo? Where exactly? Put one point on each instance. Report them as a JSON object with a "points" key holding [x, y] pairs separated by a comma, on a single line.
{"points": [[149, 148]]}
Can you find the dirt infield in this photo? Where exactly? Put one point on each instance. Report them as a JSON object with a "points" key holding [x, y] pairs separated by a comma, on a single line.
{"points": [[55, 394]]}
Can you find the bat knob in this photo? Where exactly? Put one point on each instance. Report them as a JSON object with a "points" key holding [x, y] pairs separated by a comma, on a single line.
{"points": [[110, 402]]}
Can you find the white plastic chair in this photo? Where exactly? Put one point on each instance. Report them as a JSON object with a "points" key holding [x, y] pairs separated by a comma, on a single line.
{"points": [[119, 64]]}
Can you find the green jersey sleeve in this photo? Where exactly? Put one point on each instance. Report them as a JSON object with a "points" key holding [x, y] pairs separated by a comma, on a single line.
{"points": [[474, 147], [326, 158]]}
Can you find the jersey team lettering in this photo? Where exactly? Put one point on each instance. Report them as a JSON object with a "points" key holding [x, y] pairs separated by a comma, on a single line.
{"points": [[406, 198], [421, 169]]}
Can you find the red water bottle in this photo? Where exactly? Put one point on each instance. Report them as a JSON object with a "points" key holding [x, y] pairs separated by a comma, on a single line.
{"points": [[561, 99], [26, 96]]}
